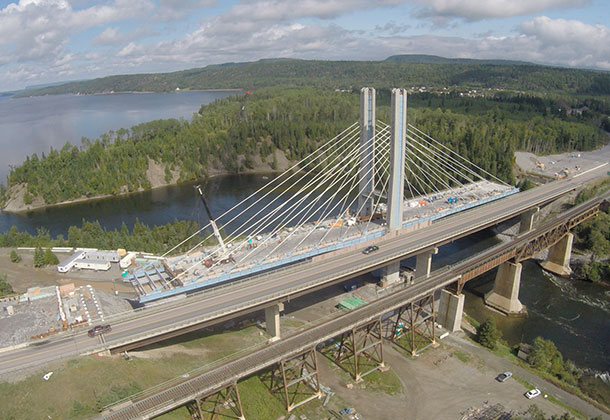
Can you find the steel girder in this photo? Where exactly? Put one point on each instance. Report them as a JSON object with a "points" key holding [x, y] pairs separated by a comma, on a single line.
{"points": [[365, 341], [296, 377], [416, 319], [224, 403]]}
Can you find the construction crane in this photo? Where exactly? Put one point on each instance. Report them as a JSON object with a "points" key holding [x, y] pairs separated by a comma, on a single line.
{"points": [[215, 230]]}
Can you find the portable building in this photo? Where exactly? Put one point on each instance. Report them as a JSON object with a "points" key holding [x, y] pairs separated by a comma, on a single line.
{"points": [[96, 265], [68, 263]]}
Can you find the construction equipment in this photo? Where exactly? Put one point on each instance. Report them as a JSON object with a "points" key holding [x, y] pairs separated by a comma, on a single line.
{"points": [[215, 230]]}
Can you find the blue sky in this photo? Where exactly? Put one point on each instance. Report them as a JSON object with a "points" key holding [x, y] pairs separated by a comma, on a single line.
{"points": [[45, 41]]}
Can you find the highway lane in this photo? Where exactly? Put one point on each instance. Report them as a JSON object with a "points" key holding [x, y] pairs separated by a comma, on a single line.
{"points": [[282, 284]]}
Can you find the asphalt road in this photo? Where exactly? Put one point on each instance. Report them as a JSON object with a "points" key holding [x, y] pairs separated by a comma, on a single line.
{"points": [[284, 283]]}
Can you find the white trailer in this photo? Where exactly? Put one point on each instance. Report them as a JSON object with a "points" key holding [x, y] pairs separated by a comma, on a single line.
{"points": [[127, 260], [69, 262], [97, 265]]}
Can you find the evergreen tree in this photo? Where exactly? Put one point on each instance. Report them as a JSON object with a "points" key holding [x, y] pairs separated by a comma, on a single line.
{"points": [[15, 257], [488, 334], [5, 287], [39, 259], [50, 258]]}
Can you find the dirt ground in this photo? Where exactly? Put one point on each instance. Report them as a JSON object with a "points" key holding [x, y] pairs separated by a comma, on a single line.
{"points": [[23, 274], [436, 385]]}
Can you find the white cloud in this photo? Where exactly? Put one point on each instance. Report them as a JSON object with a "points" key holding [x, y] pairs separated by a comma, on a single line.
{"points": [[178, 9], [110, 36], [35, 29], [477, 9], [280, 10], [569, 42]]}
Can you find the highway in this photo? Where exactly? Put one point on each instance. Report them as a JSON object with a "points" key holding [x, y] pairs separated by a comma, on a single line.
{"points": [[257, 292]]}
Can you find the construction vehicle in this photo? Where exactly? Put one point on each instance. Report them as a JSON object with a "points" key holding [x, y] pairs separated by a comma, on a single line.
{"points": [[215, 230]]}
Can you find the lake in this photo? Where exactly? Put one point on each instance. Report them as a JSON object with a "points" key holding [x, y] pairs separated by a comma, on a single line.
{"points": [[33, 125]]}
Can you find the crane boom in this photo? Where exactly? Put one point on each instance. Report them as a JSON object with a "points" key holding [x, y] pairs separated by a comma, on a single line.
{"points": [[215, 230]]}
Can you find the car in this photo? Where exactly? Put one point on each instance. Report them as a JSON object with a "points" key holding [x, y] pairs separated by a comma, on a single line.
{"points": [[370, 249], [504, 376], [532, 393], [99, 329]]}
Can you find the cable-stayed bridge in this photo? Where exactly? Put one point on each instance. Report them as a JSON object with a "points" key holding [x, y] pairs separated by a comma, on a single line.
{"points": [[370, 179]]}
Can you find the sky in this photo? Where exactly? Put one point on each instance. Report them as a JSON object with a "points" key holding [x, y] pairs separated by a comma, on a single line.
{"points": [[47, 41]]}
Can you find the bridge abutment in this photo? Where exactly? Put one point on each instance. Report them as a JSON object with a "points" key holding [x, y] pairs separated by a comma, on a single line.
{"points": [[505, 294], [527, 220], [558, 260], [450, 310], [272, 320]]}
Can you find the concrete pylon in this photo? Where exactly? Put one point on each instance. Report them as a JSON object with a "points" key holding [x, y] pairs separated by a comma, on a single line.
{"points": [[505, 294], [527, 220], [397, 159], [394, 215], [367, 151], [450, 311], [423, 263], [272, 320], [558, 260]]}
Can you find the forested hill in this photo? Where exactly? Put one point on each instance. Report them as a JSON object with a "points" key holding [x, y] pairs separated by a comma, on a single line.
{"points": [[242, 131], [396, 71]]}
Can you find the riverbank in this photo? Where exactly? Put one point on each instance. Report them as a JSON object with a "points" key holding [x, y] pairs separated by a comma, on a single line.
{"points": [[156, 177], [22, 94]]}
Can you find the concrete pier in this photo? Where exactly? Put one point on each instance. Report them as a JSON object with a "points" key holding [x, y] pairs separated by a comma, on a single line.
{"points": [[505, 294], [558, 260], [423, 264], [391, 273], [272, 320], [450, 311], [527, 220]]}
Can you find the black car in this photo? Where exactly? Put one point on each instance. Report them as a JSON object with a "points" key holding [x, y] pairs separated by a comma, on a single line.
{"points": [[99, 329], [503, 376], [370, 249]]}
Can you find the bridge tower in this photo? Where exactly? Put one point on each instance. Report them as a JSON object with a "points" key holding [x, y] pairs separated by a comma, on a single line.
{"points": [[396, 183], [396, 187], [367, 151]]}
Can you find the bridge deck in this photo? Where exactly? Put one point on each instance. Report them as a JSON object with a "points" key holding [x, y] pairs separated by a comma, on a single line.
{"points": [[288, 246]]}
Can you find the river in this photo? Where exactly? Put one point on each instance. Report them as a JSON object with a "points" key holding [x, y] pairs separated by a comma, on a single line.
{"points": [[573, 314]]}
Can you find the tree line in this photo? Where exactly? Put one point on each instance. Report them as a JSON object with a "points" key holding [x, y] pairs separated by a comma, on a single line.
{"points": [[156, 239]]}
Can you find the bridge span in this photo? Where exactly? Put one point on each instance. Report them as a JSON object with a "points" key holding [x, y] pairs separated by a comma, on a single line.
{"points": [[147, 325], [181, 391]]}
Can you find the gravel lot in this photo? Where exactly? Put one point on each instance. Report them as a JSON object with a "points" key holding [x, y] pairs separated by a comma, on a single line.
{"points": [[555, 163]]}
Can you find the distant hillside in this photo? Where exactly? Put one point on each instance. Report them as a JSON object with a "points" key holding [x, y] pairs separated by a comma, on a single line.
{"points": [[404, 70], [435, 59]]}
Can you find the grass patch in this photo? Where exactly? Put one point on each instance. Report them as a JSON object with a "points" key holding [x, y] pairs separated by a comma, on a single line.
{"points": [[462, 356], [386, 382], [471, 320], [79, 387]]}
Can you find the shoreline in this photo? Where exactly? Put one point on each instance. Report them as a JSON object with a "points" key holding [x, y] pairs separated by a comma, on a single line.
{"points": [[106, 196], [128, 92]]}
